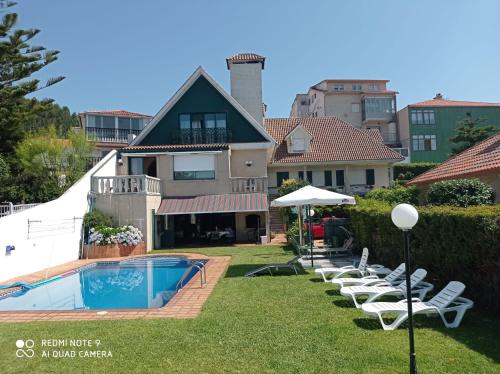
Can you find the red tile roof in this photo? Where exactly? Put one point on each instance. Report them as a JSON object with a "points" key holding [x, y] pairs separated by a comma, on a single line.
{"points": [[175, 147], [119, 112], [439, 102], [483, 157], [333, 140], [245, 57], [375, 134]]}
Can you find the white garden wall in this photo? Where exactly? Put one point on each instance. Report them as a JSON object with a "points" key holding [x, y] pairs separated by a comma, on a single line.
{"points": [[53, 235]]}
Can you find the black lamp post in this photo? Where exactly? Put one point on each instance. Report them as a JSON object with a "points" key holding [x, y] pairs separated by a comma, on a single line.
{"points": [[405, 216]]}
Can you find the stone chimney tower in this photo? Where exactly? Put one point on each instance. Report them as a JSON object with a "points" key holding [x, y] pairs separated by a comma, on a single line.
{"points": [[246, 82]]}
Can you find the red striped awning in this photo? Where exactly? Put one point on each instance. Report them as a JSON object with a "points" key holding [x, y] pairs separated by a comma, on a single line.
{"points": [[244, 202]]}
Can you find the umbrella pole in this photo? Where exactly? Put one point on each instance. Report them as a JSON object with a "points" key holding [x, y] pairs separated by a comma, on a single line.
{"points": [[301, 226], [311, 240]]}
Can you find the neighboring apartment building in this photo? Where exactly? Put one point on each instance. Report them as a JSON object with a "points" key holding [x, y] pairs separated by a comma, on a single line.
{"points": [[200, 167], [480, 161], [426, 127], [366, 104], [111, 129]]}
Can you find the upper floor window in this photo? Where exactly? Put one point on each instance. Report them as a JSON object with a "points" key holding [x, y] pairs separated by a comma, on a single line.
{"points": [[126, 123], [355, 107], [356, 87], [102, 122], [379, 105], [373, 87], [298, 144], [202, 121], [424, 142], [423, 117], [338, 87]]}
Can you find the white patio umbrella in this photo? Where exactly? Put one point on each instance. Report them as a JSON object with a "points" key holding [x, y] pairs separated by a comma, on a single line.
{"points": [[309, 196]]}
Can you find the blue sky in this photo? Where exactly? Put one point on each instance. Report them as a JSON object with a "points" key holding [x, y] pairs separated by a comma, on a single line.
{"points": [[123, 54]]}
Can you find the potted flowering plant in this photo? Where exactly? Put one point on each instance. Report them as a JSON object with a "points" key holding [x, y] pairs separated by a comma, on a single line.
{"points": [[115, 242]]}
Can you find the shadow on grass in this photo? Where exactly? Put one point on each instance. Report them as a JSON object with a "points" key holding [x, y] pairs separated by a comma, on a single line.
{"points": [[235, 271], [344, 303], [316, 280], [333, 292], [368, 323], [477, 332]]}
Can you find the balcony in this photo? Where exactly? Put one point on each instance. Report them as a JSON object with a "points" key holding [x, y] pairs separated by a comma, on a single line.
{"points": [[110, 135], [244, 184], [202, 136], [389, 137], [125, 184]]}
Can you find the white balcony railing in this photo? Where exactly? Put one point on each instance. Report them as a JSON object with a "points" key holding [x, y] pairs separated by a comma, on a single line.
{"points": [[110, 135], [9, 208], [244, 184], [126, 184]]}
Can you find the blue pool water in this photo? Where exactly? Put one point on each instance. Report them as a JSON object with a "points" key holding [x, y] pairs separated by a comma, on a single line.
{"points": [[145, 282]]}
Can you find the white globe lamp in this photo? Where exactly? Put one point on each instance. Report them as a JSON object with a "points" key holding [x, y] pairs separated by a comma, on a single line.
{"points": [[404, 216]]}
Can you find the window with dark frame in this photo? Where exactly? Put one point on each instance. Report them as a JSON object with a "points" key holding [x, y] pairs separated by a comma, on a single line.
{"points": [[423, 117], [370, 177], [328, 178], [281, 176], [202, 120], [339, 178], [309, 175]]}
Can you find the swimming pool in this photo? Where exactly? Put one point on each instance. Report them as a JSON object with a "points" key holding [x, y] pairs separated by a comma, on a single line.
{"points": [[137, 283]]}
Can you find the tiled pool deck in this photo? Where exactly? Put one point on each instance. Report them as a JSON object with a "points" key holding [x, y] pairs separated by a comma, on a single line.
{"points": [[187, 303]]}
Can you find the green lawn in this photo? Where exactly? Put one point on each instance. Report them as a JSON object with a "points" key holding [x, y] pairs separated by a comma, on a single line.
{"points": [[290, 324]]}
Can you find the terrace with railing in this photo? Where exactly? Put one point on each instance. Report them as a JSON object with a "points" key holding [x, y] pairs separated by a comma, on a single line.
{"points": [[202, 136], [126, 184], [9, 208], [110, 135], [252, 184]]}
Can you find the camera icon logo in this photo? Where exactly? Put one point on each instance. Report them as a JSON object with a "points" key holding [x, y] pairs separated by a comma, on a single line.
{"points": [[25, 348]]}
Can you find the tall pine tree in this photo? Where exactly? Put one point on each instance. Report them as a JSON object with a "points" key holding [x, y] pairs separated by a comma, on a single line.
{"points": [[470, 131], [19, 60]]}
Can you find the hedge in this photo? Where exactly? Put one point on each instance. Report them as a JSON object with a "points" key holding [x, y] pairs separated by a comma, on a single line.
{"points": [[407, 171], [395, 194], [451, 243]]}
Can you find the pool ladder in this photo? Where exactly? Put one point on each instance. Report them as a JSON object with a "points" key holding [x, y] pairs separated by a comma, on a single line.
{"points": [[203, 275]]}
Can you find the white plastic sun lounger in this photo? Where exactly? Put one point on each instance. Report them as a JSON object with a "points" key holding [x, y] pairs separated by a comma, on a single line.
{"points": [[391, 279], [446, 301], [336, 272], [375, 292]]}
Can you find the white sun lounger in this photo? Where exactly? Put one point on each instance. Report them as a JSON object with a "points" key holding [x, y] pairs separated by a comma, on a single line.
{"points": [[375, 292], [391, 279], [339, 271], [446, 301]]}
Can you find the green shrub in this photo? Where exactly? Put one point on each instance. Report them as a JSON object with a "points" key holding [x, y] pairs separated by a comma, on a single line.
{"points": [[451, 243], [395, 195], [96, 219], [407, 171], [291, 185], [460, 192]]}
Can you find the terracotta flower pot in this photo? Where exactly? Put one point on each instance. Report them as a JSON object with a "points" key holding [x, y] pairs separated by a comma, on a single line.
{"points": [[114, 250]]}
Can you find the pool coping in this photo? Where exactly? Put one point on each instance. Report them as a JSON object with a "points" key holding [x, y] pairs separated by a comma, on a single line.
{"points": [[187, 303]]}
